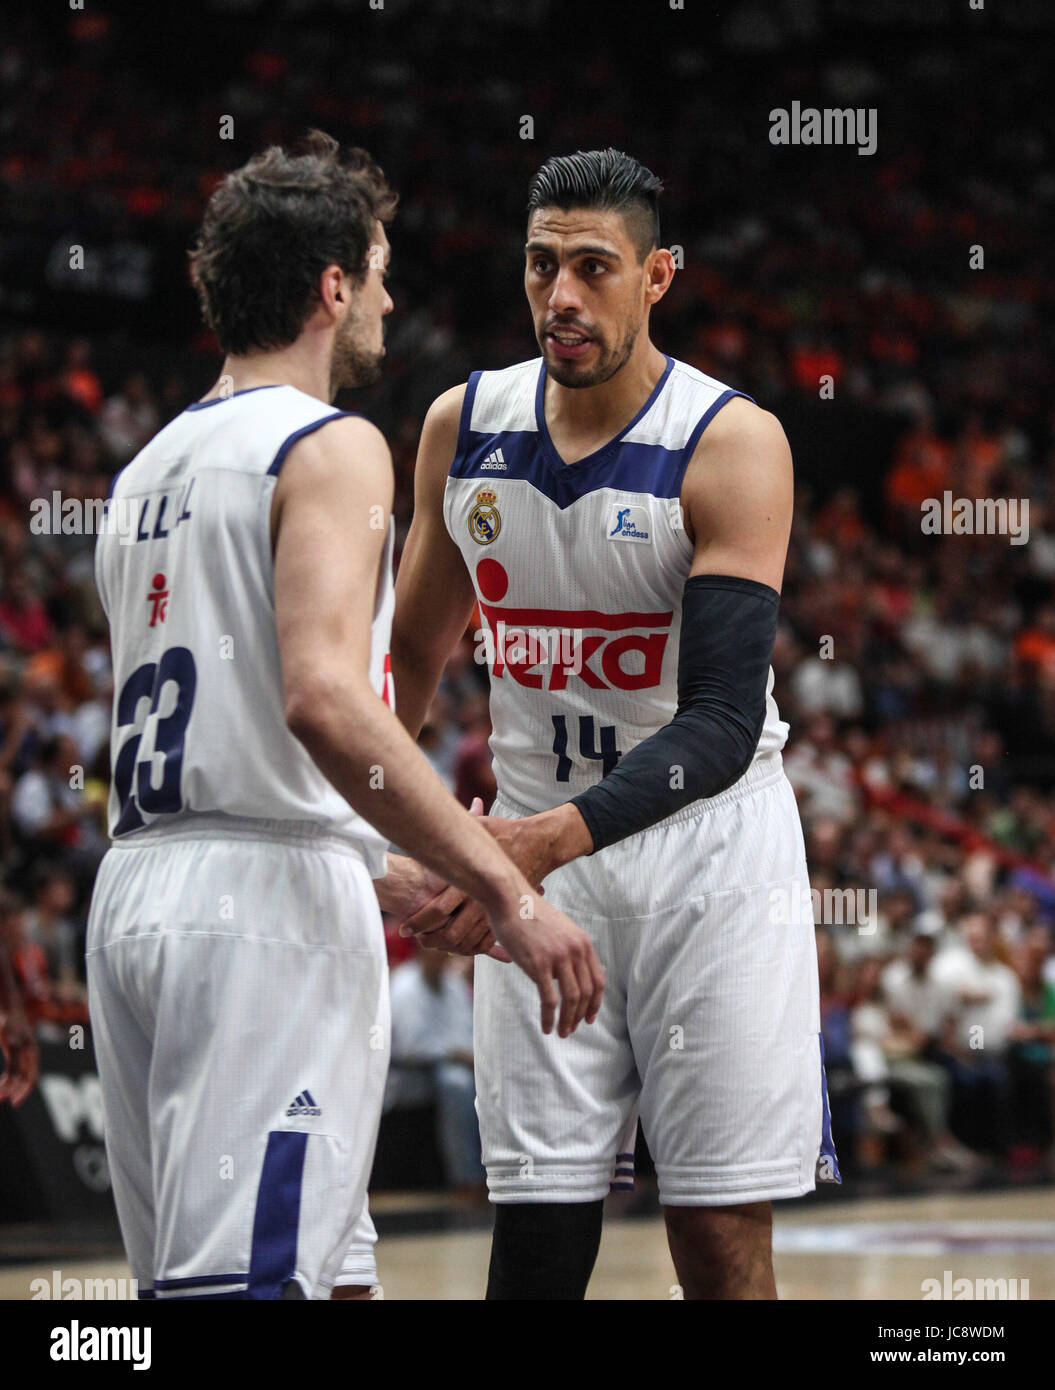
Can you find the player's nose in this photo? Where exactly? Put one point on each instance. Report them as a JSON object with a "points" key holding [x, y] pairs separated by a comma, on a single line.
{"points": [[564, 294]]}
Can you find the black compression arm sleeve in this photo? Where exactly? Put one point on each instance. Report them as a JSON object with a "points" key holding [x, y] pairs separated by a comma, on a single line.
{"points": [[728, 627]]}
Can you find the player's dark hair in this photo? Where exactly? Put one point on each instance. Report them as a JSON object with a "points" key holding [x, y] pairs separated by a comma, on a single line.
{"points": [[272, 227], [602, 179]]}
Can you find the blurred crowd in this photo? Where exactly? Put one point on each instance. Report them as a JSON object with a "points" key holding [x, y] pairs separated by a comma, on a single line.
{"points": [[917, 671]]}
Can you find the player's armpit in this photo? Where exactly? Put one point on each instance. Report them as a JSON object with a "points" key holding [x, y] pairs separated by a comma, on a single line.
{"points": [[434, 592]]}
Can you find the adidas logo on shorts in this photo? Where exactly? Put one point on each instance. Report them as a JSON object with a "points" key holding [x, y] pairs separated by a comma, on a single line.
{"points": [[304, 1105]]}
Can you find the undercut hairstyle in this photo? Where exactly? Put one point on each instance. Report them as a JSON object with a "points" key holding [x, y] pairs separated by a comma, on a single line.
{"points": [[272, 227], [602, 179]]}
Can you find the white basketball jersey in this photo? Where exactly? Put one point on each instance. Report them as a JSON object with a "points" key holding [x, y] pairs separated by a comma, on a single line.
{"points": [[184, 569], [579, 571]]}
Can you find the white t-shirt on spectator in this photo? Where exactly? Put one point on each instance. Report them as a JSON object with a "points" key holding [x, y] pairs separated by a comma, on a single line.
{"points": [[426, 1023], [922, 1001], [958, 970]]}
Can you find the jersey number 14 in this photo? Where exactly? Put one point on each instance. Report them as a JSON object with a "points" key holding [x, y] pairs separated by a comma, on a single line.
{"points": [[608, 754]]}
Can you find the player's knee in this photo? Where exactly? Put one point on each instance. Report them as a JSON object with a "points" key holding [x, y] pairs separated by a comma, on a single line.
{"points": [[720, 1234]]}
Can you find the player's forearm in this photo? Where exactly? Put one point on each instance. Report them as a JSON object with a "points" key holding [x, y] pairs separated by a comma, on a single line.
{"points": [[416, 670], [727, 635], [365, 752]]}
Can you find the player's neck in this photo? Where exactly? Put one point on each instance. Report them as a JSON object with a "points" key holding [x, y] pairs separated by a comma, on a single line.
{"points": [[297, 365], [600, 412]]}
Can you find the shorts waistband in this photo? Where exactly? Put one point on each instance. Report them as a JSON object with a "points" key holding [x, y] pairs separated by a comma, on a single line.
{"points": [[304, 833], [765, 770]]}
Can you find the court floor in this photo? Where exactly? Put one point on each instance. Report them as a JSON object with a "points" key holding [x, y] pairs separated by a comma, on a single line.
{"points": [[883, 1249]]}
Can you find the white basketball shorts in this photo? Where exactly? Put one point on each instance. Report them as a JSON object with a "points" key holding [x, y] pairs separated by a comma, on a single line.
{"points": [[710, 1021], [238, 991]]}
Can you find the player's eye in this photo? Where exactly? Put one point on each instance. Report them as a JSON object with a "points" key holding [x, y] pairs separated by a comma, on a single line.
{"points": [[594, 267], [540, 265]]}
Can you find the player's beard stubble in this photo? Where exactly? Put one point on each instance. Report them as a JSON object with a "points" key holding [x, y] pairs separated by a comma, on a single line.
{"points": [[353, 365], [610, 361]]}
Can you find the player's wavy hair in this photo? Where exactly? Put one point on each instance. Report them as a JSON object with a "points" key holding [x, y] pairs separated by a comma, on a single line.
{"points": [[272, 227], [602, 179]]}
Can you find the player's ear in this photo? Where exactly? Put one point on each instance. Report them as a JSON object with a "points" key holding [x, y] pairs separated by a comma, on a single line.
{"points": [[659, 272], [332, 287]]}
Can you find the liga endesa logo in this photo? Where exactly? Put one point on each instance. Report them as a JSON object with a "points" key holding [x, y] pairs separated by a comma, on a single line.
{"points": [[596, 648]]}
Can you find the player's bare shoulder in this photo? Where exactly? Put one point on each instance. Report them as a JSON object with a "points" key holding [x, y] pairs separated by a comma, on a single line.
{"points": [[741, 431], [741, 462], [347, 457]]}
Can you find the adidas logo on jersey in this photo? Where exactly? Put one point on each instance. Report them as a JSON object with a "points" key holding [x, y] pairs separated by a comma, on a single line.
{"points": [[303, 1106], [495, 461], [627, 523]]}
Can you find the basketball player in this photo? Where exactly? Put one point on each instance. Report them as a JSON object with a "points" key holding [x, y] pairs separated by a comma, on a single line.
{"points": [[236, 958], [622, 521]]}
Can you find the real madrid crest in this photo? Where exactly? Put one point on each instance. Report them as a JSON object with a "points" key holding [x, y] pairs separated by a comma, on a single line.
{"points": [[484, 519]]}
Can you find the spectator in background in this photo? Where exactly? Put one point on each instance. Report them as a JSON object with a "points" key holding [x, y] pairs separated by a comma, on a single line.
{"points": [[129, 419], [49, 925], [79, 380], [916, 1013], [922, 469], [438, 738], [24, 621], [432, 1060], [1032, 1052], [983, 1001], [19, 1054], [821, 774], [53, 815], [870, 1032], [28, 960], [473, 775]]}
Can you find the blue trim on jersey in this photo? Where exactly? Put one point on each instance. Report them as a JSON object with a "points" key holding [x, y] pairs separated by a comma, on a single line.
{"points": [[290, 440], [467, 414], [199, 1280], [635, 468], [708, 415], [273, 1258], [530, 455], [827, 1145], [245, 391], [699, 427], [548, 447]]}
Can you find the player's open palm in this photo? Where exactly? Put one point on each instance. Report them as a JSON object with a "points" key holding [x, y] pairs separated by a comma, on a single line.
{"points": [[558, 956]]}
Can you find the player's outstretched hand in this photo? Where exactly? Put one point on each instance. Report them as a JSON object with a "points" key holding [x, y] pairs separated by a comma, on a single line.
{"points": [[554, 952]]}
